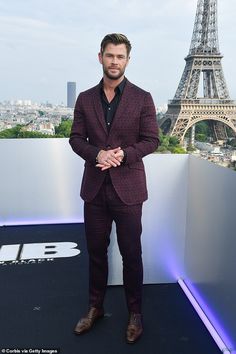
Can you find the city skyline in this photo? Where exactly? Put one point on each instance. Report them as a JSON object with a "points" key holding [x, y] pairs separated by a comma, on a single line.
{"points": [[44, 45]]}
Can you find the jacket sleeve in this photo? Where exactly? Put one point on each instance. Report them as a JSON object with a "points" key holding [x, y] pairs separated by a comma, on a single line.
{"points": [[79, 137], [148, 134]]}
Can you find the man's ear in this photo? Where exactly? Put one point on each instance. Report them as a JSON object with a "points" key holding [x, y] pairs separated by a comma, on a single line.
{"points": [[100, 57], [128, 61]]}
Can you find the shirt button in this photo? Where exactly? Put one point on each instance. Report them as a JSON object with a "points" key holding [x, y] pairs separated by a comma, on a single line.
{"points": [[109, 108]]}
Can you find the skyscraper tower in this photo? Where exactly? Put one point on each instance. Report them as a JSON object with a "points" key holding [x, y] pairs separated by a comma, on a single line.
{"points": [[71, 94], [203, 66]]}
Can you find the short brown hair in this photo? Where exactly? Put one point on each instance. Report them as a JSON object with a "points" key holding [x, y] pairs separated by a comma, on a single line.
{"points": [[115, 38]]}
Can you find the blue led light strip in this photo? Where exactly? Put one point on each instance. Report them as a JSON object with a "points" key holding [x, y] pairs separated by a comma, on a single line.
{"points": [[220, 343], [40, 222]]}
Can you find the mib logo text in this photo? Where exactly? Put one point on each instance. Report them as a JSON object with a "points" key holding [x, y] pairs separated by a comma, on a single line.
{"points": [[30, 253]]}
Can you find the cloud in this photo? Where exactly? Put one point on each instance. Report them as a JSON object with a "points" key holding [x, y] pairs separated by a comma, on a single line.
{"points": [[45, 43], [17, 30]]}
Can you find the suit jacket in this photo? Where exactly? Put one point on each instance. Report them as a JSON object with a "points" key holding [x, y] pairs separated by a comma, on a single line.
{"points": [[134, 129]]}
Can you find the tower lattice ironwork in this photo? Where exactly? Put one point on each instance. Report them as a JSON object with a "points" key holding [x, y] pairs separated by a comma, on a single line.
{"points": [[202, 93]]}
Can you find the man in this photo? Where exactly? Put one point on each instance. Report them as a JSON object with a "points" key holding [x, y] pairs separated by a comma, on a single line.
{"points": [[114, 127]]}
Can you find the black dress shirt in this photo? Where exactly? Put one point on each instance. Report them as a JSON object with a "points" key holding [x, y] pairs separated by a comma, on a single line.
{"points": [[109, 108]]}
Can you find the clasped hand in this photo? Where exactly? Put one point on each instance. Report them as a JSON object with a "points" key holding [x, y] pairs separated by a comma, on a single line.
{"points": [[109, 158]]}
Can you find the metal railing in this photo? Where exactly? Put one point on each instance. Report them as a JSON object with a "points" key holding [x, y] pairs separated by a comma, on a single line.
{"points": [[206, 101]]}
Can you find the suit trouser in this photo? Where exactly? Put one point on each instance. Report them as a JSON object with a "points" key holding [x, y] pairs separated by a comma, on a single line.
{"points": [[98, 215]]}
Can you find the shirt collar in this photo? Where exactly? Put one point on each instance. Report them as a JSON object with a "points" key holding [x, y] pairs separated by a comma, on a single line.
{"points": [[119, 89]]}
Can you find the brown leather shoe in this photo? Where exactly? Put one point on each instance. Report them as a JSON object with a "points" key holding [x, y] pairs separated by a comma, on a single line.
{"points": [[135, 328], [88, 321]]}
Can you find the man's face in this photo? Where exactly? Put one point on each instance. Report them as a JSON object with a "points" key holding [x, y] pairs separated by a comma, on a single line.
{"points": [[114, 60]]}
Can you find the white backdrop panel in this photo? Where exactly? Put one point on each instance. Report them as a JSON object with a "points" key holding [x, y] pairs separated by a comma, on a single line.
{"points": [[40, 183], [40, 180], [164, 220], [210, 239]]}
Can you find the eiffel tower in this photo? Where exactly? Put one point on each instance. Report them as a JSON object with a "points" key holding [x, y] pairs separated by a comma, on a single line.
{"points": [[203, 68]]}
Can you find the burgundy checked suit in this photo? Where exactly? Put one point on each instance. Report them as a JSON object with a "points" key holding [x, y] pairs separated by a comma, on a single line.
{"points": [[116, 194]]}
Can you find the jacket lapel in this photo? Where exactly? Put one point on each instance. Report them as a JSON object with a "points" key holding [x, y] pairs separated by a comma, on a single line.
{"points": [[124, 102], [98, 107]]}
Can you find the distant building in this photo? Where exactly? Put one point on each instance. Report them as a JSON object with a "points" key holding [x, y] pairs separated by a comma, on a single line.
{"points": [[71, 94]]}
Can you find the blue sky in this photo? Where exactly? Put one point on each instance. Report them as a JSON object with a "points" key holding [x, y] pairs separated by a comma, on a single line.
{"points": [[44, 44]]}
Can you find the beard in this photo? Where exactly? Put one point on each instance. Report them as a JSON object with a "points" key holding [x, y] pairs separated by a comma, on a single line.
{"points": [[113, 76]]}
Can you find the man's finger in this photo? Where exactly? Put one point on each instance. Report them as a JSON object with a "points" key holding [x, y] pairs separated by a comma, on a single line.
{"points": [[115, 150], [105, 168], [113, 161]]}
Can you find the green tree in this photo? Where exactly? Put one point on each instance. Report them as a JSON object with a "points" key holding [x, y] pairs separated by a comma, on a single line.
{"points": [[201, 137], [64, 128], [191, 148], [203, 128], [170, 143], [173, 141], [177, 150], [41, 113], [232, 142], [11, 133], [230, 132], [18, 132], [200, 128], [23, 134]]}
